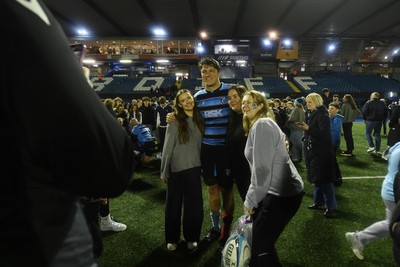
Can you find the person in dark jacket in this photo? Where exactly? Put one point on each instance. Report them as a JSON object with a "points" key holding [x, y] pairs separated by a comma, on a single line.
{"points": [[236, 141], [51, 159], [319, 156], [374, 112], [326, 97]]}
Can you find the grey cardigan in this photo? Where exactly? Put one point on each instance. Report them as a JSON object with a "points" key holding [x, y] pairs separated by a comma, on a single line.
{"points": [[178, 156], [272, 170]]}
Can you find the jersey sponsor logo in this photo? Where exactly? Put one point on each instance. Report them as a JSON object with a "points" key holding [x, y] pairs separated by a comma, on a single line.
{"points": [[216, 113]]}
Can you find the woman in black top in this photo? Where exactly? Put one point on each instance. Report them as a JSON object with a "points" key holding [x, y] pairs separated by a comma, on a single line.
{"points": [[236, 141]]}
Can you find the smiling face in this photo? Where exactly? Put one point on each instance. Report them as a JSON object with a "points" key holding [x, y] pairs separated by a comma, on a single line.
{"points": [[186, 102], [249, 107], [210, 76], [234, 100]]}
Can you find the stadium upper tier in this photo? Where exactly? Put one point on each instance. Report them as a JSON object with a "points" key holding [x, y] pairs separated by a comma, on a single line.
{"points": [[336, 82]]}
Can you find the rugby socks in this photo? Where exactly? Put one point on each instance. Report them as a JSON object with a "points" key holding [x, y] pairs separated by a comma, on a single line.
{"points": [[215, 220], [226, 226]]}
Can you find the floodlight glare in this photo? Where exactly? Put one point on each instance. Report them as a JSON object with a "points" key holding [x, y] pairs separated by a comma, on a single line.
{"points": [[200, 48], [159, 32], [82, 32], [287, 42], [267, 42]]}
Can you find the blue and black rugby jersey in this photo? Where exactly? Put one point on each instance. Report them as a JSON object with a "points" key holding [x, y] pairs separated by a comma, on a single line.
{"points": [[215, 111]]}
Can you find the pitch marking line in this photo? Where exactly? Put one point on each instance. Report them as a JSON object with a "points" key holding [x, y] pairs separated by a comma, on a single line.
{"points": [[362, 177]]}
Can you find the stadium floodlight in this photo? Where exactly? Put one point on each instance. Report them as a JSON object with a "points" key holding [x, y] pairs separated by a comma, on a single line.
{"points": [[159, 31], [200, 48], [331, 48], [273, 35], [267, 42], [82, 32], [125, 61], [287, 42], [162, 60], [203, 34]]}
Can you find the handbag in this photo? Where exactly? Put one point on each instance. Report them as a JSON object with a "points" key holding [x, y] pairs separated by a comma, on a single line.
{"points": [[393, 135]]}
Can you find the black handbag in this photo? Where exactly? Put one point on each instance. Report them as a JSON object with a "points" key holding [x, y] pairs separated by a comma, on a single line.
{"points": [[393, 135]]}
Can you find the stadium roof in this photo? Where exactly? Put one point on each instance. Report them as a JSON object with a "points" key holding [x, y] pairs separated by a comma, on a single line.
{"points": [[231, 18]]}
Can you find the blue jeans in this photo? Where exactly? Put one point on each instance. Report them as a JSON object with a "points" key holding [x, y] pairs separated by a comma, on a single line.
{"points": [[297, 147], [325, 194], [376, 127]]}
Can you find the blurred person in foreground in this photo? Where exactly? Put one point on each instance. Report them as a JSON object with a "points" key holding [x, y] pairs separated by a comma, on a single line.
{"points": [[51, 159], [276, 188]]}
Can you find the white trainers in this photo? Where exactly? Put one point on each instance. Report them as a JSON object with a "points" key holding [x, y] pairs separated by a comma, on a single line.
{"points": [[371, 149], [172, 246], [157, 156], [192, 245], [112, 226], [355, 244]]}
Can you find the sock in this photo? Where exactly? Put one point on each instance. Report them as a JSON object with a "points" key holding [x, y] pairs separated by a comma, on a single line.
{"points": [[215, 220], [226, 226]]}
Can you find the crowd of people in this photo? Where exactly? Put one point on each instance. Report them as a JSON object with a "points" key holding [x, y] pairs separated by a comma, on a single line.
{"points": [[223, 134]]}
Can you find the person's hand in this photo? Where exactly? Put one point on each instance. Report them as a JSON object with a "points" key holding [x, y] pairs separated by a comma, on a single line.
{"points": [[170, 117], [164, 180], [247, 211], [103, 201], [303, 125]]}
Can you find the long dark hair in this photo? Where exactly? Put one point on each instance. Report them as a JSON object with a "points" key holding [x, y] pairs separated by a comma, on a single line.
{"points": [[183, 131], [350, 100]]}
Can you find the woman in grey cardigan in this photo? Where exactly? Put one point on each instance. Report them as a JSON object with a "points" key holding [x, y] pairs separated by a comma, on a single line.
{"points": [[276, 188], [180, 170], [350, 113]]}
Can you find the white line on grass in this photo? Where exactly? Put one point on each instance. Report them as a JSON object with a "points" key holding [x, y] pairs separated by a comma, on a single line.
{"points": [[363, 177]]}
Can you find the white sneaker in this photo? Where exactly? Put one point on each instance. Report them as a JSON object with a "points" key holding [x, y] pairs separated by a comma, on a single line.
{"points": [[191, 245], [112, 226], [355, 244], [371, 149], [172, 246], [157, 156]]}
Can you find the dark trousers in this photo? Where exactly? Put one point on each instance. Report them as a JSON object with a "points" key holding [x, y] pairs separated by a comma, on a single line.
{"points": [[161, 135], [184, 188], [348, 135], [270, 219]]}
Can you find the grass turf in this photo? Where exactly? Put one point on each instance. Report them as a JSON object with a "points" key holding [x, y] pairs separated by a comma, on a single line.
{"points": [[309, 240]]}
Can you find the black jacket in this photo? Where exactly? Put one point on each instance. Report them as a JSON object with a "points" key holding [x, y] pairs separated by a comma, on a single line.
{"points": [[374, 110], [318, 150], [49, 159]]}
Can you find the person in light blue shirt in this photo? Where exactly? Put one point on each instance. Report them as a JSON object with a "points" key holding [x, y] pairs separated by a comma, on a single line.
{"points": [[379, 230]]}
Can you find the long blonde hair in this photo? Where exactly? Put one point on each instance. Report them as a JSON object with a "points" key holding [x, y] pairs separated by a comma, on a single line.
{"points": [[264, 112]]}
